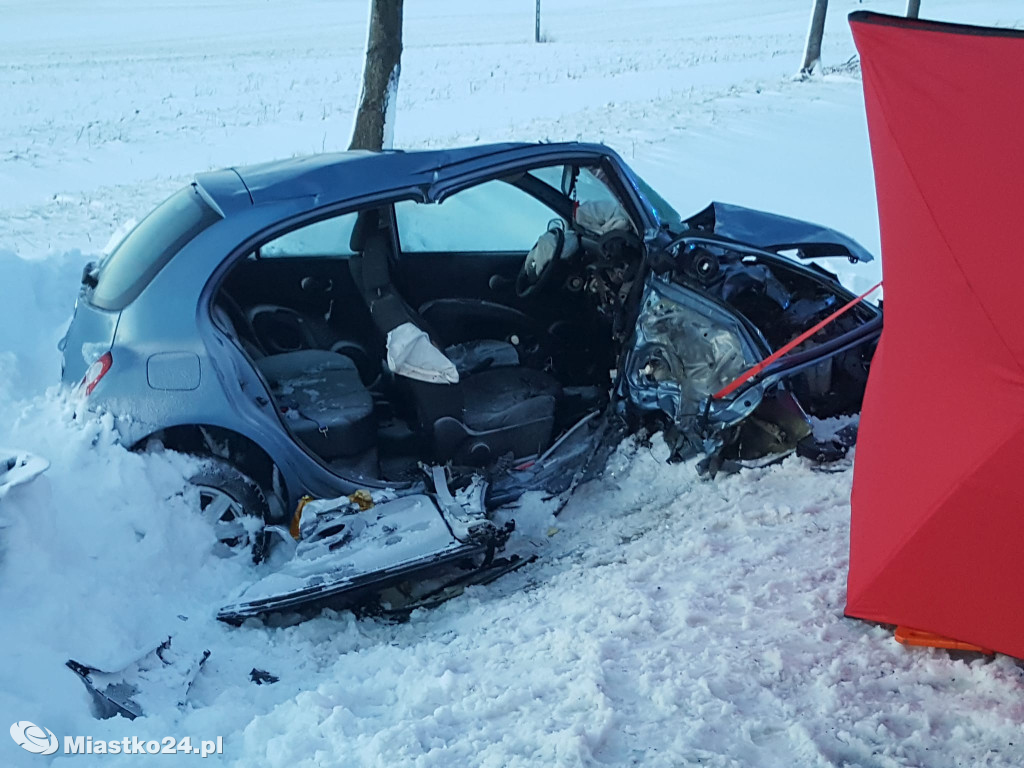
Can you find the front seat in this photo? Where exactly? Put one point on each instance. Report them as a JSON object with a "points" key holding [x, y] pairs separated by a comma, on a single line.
{"points": [[493, 407]]}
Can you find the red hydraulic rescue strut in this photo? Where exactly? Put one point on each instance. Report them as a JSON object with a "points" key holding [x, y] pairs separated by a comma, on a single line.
{"points": [[750, 373]]}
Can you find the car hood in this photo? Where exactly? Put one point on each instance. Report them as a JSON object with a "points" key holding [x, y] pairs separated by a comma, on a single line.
{"points": [[776, 233]]}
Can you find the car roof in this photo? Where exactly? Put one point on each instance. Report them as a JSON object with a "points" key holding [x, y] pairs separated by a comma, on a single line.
{"points": [[336, 177]]}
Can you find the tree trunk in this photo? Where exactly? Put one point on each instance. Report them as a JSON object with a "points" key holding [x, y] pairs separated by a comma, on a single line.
{"points": [[374, 123], [812, 53], [913, 9]]}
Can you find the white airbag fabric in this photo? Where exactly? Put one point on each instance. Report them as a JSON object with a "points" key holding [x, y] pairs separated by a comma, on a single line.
{"points": [[544, 250], [602, 216], [412, 355]]}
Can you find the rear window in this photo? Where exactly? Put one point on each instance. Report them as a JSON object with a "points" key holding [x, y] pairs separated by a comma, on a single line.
{"points": [[146, 250]]}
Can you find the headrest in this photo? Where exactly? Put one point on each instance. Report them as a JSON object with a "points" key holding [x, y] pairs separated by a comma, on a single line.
{"points": [[367, 223]]}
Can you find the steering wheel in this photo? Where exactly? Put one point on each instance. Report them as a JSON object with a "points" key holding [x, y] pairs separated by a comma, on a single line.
{"points": [[618, 243], [527, 284]]}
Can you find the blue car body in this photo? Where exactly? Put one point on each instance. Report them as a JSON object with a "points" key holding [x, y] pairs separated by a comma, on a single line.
{"points": [[147, 349]]}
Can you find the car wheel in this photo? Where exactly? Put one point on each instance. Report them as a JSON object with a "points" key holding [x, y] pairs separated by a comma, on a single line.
{"points": [[235, 506]]}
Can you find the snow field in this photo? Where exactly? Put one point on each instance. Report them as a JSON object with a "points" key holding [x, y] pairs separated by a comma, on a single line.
{"points": [[668, 622]]}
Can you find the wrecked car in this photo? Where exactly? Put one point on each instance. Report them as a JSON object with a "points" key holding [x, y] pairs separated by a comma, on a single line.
{"points": [[415, 339]]}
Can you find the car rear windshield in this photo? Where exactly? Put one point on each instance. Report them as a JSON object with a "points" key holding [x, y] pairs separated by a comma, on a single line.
{"points": [[146, 250]]}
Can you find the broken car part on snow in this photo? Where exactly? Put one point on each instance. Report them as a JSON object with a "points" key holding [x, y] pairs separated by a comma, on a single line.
{"points": [[18, 468]]}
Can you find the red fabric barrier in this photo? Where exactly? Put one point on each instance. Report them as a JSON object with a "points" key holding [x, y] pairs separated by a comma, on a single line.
{"points": [[937, 534]]}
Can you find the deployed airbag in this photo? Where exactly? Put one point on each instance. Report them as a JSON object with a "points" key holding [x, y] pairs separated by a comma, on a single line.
{"points": [[411, 354], [599, 217]]}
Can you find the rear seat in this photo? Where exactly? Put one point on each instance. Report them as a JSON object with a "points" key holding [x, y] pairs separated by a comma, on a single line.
{"points": [[322, 399], [320, 396]]}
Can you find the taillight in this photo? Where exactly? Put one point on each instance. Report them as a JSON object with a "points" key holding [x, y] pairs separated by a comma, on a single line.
{"points": [[96, 372]]}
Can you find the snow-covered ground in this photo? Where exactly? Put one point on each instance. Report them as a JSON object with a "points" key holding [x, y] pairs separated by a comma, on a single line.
{"points": [[669, 621]]}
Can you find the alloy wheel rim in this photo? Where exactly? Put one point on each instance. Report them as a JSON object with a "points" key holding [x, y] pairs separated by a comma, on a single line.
{"points": [[226, 515]]}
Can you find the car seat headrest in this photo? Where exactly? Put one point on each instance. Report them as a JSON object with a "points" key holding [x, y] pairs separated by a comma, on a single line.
{"points": [[366, 224]]}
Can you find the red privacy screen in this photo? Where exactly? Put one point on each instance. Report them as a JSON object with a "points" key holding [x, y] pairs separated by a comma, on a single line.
{"points": [[937, 535]]}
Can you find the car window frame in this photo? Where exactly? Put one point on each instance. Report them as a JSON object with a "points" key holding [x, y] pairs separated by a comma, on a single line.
{"points": [[397, 235], [618, 178], [260, 255], [561, 205], [248, 246]]}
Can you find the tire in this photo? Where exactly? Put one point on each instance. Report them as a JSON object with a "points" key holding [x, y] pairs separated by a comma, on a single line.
{"points": [[228, 500]]}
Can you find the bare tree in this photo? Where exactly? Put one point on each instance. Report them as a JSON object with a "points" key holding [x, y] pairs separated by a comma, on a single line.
{"points": [[374, 124], [812, 53], [913, 9]]}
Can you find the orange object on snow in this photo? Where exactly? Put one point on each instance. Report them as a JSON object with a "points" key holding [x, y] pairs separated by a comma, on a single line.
{"points": [[293, 528], [909, 636]]}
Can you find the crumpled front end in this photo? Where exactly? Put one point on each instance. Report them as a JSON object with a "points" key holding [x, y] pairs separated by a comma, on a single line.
{"points": [[703, 365], [686, 349]]}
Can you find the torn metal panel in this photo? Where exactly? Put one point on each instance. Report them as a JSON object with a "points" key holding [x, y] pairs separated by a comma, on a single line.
{"points": [[686, 347]]}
